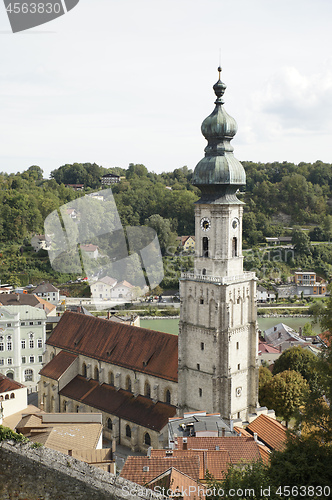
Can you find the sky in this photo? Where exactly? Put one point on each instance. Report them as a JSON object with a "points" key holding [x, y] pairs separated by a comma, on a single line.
{"points": [[127, 81]]}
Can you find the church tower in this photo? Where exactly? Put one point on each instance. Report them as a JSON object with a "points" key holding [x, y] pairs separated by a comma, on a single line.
{"points": [[217, 332]]}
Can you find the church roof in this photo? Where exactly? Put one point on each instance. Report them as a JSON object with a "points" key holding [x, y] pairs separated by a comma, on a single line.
{"points": [[140, 410], [219, 174], [147, 351]]}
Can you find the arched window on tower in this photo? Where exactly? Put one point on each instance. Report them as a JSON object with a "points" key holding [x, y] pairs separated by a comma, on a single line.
{"points": [[147, 439], [109, 424], [96, 374], [128, 431], [234, 247], [205, 246], [111, 378], [84, 371]]}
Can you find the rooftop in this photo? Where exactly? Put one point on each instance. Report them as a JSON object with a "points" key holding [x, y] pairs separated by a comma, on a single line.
{"points": [[140, 349]]}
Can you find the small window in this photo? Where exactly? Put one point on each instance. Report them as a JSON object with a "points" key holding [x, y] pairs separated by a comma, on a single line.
{"points": [[12, 396], [111, 378], [9, 346], [128, 384], [234, 247], [22, 323], [31, 344], [23, 344], [7, 396], [239, 366], [31, 359], [2, 361], [40, 359], [168, 397], [200, 392], [2, 346], [147, 390], [31, 323], [39, 322], [9, 361], [128, 431], [198, 366], [10, 375], [201, 300], [28, 375], [39, 343], [8, 325], [237, 345], [96, 374], [9, 337], [24, 360], [109, 424], [84, 370], [202, 346], [147, 439]]}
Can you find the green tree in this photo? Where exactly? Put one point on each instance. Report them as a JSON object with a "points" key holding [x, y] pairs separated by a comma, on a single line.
{"points": [[285, 393], [301, 242], [299, 360]]}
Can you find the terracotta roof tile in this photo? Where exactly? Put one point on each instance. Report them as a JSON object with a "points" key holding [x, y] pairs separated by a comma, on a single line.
{"points": [[7, 384], [22, 299], [139, 410], [58, 365], [147, 351], [269, 431], [240, 449], [216, 462], [133, 468], [177, 481]]}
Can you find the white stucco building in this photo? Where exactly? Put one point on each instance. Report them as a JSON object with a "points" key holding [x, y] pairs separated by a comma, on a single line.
{"points": [[22, 343]]}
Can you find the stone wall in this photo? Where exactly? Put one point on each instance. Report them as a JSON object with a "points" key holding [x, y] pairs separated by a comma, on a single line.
{"points": [[32, 473]]}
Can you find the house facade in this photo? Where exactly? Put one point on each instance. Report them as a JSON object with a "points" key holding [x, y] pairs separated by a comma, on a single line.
{"points": [[109, 179], [48, 292], [13, 397], [309, 283], [22, 343], [94, 364], [102, 288]]}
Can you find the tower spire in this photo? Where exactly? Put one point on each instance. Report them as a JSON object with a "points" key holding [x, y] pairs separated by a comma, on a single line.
{"points": [[219, 174]]}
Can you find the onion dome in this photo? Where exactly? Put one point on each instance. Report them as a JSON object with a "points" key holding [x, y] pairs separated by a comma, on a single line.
{"points": [[219, 174]]}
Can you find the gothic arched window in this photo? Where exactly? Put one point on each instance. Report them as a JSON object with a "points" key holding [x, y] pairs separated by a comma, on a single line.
{"points": [[205, 246], [147, 439], [128, 431]]}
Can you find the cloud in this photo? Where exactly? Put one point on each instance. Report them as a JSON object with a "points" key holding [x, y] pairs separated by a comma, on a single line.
{"points": [[293, 101]]}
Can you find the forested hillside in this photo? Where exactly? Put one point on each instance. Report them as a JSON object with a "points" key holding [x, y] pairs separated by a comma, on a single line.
{"points": [[277, 196]]}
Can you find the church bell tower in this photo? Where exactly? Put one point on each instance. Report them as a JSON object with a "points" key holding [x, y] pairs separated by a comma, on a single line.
{"points": [[217, 332]]}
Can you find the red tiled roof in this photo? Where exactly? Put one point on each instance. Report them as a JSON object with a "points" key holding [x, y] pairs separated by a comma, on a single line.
{"points": [[147, 351], [177, 481], [139, 410], [58, 365], [133, 468], [240, 449], [23, 299], [7, 384], [269, 431], [263, 347]]}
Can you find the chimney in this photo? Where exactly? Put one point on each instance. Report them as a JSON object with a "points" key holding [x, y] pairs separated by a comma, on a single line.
{"points": [[18, 297], [223, 432], [255, 437], [108, 314], [184, 444]]}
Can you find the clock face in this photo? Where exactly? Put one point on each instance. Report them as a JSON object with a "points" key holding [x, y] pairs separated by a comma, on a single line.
{"points": [[235, 223], [205, 224]]}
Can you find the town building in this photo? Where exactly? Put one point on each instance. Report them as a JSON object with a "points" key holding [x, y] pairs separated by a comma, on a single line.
{"points": [[109, 179], [40, 242], [309, 283], [102, 288], [187, 243], [123, 290], [15, 299], [126, 372], [218, 332], [92, 251], [48, 292], [22, 343], [264, 295], [13, 397]]}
